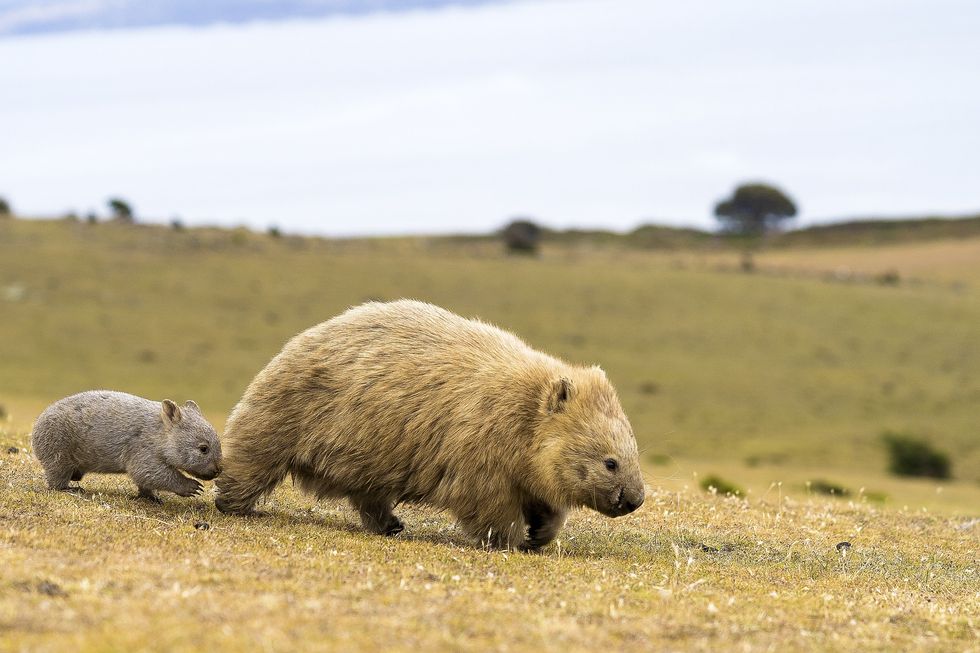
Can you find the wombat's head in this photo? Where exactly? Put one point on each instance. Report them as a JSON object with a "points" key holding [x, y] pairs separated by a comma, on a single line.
{"points": [[588, 450], [192, 445]]}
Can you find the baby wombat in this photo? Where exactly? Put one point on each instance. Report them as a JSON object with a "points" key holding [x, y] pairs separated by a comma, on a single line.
{"points": [[115, 433]]}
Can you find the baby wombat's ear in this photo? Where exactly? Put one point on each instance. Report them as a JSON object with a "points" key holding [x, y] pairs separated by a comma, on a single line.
{"points": [[170, 412], [190, 404], [558, 395]]}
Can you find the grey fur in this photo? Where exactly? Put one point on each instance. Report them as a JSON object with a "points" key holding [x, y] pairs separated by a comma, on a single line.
{"points": [[116, 433]]}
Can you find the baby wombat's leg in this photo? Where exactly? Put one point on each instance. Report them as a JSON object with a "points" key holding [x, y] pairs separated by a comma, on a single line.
{"points": [[152, 476], [58, 475], [543, 524], [376, 515], [59, 466], [59, 470]]}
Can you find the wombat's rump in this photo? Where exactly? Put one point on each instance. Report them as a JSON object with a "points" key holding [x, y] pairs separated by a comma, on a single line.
{"points": [[405, 401], [115, 432]]}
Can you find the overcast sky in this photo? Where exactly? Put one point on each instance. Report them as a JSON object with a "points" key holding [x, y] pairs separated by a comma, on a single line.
{"points": [[582, 113]]}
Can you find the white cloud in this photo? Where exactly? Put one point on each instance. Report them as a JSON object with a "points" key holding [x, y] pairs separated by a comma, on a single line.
{"points": [[589, 112]]}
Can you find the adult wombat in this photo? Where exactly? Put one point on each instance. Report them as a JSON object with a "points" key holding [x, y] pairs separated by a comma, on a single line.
{"points": [[406, 401], [114, 432]]}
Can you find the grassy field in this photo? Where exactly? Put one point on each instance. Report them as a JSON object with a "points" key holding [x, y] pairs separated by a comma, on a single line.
{"points": [[771, 380], [689, 571]]}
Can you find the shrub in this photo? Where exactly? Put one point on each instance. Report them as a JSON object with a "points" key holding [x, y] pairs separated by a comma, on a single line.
{"points": [[522, 237], [889, 278], [274, 232], [911, 456], [718, 485], [649, 388], [177, 224], [5, 210], [121, 209], [820, 486]]}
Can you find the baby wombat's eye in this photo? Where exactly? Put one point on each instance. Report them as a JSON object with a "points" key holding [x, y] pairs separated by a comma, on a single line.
{"points": [[611, 464], [203, 448]]}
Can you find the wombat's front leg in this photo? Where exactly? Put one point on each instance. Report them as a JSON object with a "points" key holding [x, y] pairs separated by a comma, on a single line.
{"points": [[376, 515], [149, 478], [543, 524]]}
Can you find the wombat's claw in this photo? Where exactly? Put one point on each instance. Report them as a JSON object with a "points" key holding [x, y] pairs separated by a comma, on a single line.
{"points": [[394, 526], [151, 498], [74, 489]]}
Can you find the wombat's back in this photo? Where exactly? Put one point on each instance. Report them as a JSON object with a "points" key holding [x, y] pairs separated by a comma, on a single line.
{"points": [[88, 431]]}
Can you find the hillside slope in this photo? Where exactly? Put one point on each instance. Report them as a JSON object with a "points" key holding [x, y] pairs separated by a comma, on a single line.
{"points": [[774, 367]]}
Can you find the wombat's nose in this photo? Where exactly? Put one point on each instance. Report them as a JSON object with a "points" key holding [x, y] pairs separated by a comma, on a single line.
{"points": [[630, 501]]}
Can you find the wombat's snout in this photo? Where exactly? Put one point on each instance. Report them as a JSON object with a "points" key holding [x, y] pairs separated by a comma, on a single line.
{"points": [[211, 474], [628, 501]]}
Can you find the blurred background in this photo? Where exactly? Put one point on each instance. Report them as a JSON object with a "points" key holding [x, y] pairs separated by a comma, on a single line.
{"points": [[760, 218]]}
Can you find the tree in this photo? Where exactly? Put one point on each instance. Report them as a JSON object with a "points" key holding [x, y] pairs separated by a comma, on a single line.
{"points": [[120, 208], [522, 237], [5, 208], [754, 209]]}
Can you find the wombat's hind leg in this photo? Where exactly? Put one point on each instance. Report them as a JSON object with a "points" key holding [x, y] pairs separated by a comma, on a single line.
{"points": [[376, 515], [238, 494], [147, 494], [59, 476], [543, 524]]}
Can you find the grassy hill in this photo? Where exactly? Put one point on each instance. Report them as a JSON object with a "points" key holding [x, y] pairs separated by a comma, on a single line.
{"points": [[770, 380], [773, 367]]}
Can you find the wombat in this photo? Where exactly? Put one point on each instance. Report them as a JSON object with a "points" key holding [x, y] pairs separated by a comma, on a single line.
{"points": [[407, 402], [115, 433]]}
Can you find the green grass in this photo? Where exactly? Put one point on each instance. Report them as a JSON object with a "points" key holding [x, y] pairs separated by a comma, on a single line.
{"points": [[746, 367], [768, 380]]}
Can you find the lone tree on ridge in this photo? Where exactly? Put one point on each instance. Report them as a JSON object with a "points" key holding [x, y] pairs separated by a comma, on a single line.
{"points": [[754, 209]]}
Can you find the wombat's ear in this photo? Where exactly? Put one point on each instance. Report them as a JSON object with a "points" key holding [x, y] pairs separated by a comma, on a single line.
{"points": [[558, 395], [170, 412], [192, 405]]}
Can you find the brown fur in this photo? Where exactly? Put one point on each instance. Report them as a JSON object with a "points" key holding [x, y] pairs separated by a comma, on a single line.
{"points": [[407, 402]]}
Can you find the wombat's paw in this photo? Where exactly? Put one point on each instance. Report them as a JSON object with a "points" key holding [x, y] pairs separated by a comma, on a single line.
{"points": [[394, 526], [529, 547], [192, 490], [230, 509], [149, 498], [75, 489]]}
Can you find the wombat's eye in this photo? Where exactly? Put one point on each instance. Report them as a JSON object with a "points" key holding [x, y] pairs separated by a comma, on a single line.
{"points": [[203, 448], [611, 464]]}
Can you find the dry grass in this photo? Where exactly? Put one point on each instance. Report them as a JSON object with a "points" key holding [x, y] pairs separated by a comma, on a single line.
{"points": [[689, 571], [944, 261], [767, 380]]}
